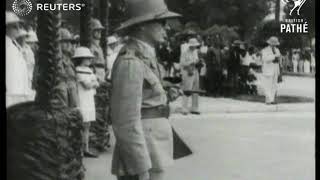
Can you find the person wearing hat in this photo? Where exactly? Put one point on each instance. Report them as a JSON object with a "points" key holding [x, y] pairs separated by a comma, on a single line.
{"points": [[233, 66], [87, 84], [65, 40], [99, 60], [270, 56], [29, 58], [112, 52], [17, 87], [190, 76], [139, 104]]}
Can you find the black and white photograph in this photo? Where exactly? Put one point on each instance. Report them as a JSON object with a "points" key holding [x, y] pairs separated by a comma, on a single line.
{"points": [[160, 89]]}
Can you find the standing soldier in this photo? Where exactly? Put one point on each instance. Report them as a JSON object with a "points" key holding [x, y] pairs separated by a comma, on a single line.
{"points": [[270, 68], [65, 39], [99, 61], [100, 128], [17, 87], [139, 110]]}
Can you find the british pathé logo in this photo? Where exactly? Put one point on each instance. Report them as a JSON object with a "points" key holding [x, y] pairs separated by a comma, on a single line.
{"points": [[294, 25], [24, 7], [297, 5]]}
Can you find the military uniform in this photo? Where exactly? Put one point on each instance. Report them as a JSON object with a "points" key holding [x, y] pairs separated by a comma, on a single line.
{"points": [[67, 91], [143, 134], [99, 60]]}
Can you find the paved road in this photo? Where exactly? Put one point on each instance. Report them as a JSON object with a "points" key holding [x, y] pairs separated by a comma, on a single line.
{"points": [[244, 146], [269, 145]]}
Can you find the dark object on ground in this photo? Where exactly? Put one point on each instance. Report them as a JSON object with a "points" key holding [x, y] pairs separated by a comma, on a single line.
{"points": [[195, 112], [180, 148], [44, 143], [190, 92], [280, 99]]}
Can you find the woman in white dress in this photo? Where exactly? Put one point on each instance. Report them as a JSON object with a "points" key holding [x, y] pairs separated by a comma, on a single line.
{"points": [[87, 84]]}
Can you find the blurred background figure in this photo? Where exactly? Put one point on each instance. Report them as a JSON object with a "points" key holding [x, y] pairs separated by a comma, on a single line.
{"points": [[295, 60], [313, 62], [112, 52], [270, 69], [17, 87], [307, 59], [190, 76], [29, 59], [203, 71], [99, 61], [234, 67], [301, 61], [32, 41]]}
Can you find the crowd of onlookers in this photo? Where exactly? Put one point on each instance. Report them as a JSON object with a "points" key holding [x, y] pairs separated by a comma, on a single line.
{"points": [[230, 69], [300, 61]]}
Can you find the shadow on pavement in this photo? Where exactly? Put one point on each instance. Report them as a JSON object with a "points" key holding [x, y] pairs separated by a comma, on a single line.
{"points": [[280, 99]]}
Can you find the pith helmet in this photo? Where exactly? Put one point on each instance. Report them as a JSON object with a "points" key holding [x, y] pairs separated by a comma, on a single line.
{"points": [[12, 18], [273, 41], [65, 35], [95, 24], [140, 11], [82, 52]]}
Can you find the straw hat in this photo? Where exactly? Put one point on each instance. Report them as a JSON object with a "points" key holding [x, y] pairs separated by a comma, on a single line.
{"points": [[82, 52], [273, 41], [140, 11], [32, 36], [12, 18], [95, 24], [193, 42]]}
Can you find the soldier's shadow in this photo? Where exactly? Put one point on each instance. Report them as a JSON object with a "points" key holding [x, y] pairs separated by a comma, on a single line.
{"points": [[280, 99]]}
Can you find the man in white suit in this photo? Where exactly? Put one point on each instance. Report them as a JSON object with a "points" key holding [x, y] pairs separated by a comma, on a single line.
{"points": [[270, 69], [17, 88]]}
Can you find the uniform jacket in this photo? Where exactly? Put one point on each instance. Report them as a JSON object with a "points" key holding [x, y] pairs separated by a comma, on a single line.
{"points": [[68, 90], [268, 67], [98, 53], [136, 84], [99, 60]]}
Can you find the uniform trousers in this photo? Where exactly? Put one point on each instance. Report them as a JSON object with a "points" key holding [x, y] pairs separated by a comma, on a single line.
{"points": [[270, 87]]}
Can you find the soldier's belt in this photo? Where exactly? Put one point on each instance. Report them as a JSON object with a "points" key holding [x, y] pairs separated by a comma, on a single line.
{"points": [[162, 111]]}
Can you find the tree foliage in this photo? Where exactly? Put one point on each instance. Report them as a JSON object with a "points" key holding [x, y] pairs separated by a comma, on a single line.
{"points": [[244, 14]]}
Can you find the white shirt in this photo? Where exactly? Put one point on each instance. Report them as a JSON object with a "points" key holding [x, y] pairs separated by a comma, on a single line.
{"points": [[16, 70]]}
